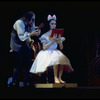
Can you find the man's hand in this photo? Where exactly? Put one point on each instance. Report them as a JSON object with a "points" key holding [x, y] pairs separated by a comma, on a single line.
{"points": [[35, 33]]}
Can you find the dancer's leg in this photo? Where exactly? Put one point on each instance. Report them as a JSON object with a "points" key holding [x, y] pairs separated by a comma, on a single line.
{"points": [[60, 73], [55, 68]]}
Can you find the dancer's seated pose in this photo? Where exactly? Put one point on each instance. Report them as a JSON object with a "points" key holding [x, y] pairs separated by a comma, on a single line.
{"points": [[50, 55]]}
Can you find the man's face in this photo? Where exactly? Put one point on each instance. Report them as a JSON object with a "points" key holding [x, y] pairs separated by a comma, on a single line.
{"points": [[32, 21], [52, 24]]}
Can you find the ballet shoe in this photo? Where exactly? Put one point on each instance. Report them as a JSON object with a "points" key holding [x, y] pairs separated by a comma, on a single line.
{"points": [[61, 81], [57, 80]]}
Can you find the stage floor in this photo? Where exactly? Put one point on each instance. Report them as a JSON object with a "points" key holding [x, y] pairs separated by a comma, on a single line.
{"points": [[60, 85]]}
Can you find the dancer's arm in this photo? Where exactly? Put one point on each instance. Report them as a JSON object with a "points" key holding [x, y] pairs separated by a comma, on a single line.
{"points": [[60, 42], [46, 46]]}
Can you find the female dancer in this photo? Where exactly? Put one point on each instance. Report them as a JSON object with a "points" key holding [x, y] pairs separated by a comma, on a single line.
{"points": [[50, 55]]}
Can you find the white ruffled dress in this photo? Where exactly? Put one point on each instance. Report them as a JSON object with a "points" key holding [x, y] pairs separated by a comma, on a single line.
{"points": [[49, 57]]}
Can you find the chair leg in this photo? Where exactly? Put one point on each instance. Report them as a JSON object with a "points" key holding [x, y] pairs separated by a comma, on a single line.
{"points": [[47, 76]]}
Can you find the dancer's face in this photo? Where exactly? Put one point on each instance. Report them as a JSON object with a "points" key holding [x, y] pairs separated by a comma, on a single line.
{"points": [[52, 24]]}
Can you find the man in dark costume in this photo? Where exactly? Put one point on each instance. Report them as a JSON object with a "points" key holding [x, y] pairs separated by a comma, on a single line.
{"points": [[21, 44]]}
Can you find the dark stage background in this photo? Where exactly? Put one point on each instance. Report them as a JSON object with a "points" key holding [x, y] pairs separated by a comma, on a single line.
{"points": [[81, 21]]}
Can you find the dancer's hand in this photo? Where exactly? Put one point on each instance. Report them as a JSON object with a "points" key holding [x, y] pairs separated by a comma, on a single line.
{"points": [[55, 37]]}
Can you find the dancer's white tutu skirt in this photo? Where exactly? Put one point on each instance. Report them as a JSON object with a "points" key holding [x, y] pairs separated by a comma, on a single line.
{"points": [[48, 58]]}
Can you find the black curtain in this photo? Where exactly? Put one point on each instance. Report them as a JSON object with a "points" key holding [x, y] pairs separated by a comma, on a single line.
{"points": [[79, 19]]}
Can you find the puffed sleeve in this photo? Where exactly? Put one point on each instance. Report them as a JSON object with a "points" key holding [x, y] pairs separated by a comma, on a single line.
{"points": [[20, 28], [44, 39]]}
